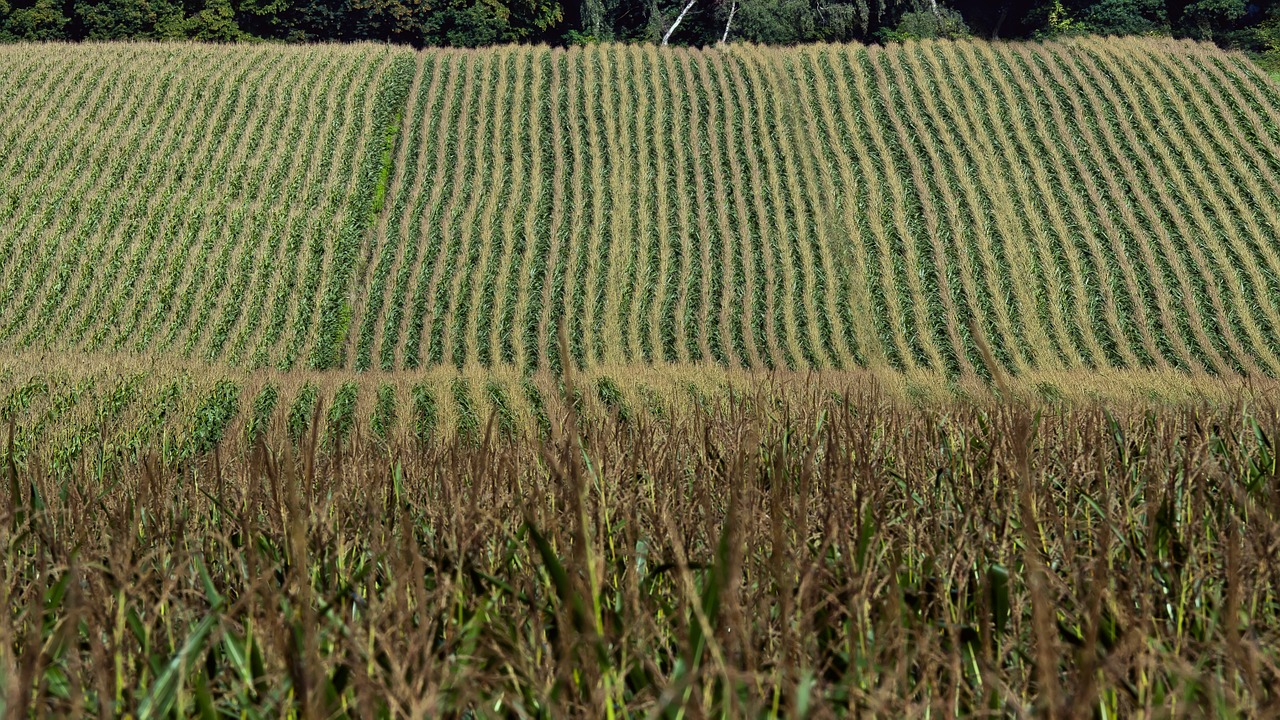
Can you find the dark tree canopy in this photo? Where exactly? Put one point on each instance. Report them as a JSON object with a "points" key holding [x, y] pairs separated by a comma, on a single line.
{"points": [[1252, 25]]}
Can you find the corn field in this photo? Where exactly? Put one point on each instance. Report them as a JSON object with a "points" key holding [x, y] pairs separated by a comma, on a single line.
{"points": [[184, 199], [100, 410], [1088, 205], [618, 381], [795, 555]]}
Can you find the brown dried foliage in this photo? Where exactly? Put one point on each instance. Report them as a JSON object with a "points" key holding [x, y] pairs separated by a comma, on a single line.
{"points": [[806, 555]]}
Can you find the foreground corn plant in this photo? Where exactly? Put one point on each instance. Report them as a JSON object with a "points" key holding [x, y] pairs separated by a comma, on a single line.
{"points": [[803, 557]]}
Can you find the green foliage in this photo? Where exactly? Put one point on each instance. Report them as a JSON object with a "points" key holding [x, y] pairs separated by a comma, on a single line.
{"points": [[593, 23], [41, 20], [1126, 17], [342, 414], [384, 412], [923, 25], [215, 22], [131, 19], [263, 406], [1268, 40], [653, 403], [1205, 19], [366, 202], [263, 18], [573, 37], [214, 414], [538, 407], [395, 20], [301, 412], [612, 398], [468, 420], [530, 17], [787, 22], [504, 415], [473, 23], [20, 398], [425, 413]]}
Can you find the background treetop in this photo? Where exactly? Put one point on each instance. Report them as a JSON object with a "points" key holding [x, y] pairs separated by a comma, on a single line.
{"points": [[1249, 25]]}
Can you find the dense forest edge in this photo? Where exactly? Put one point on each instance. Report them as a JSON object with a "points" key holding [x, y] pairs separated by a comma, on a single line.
{"points": [[1252, 26]]}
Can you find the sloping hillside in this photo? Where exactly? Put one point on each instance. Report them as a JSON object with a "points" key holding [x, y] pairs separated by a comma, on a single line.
{"points": [[1097, 204], [184, 198]]}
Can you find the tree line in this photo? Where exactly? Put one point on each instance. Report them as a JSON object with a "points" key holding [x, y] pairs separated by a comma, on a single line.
{"points": [[1250, 25]]}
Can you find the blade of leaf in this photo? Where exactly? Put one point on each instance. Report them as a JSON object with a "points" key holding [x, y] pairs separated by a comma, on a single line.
{"points": [[164, 692]]}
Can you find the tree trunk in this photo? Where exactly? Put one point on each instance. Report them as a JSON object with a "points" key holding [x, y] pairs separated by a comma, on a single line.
{"points": [[679, 19], [732, 9], [1004, 15]]}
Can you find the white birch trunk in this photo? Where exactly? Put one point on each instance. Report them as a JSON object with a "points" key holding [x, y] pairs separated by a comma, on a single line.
{"points": [[732, 9], [679, 19]]}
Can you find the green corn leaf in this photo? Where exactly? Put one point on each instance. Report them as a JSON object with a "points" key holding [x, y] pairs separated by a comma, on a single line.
{"points": [[204, 701], [237, 650], [716, 580], [998, 586], [559, 578], [211, 591], [163, 695]]}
